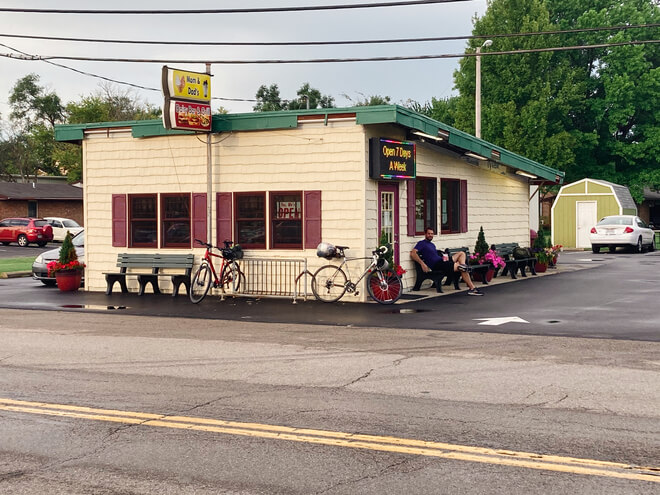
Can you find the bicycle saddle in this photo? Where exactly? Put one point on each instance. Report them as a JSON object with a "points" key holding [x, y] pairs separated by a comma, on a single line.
{"points": [[342, 247]]}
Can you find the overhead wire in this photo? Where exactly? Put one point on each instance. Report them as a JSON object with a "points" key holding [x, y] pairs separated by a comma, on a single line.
{"points": [[255, 10], [330, 42]]}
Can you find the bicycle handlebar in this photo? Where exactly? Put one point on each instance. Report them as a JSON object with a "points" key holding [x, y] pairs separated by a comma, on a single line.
{"points": [[211, 246]]}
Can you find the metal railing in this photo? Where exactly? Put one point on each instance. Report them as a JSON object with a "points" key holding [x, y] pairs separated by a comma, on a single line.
{"points": [[276, 277]]}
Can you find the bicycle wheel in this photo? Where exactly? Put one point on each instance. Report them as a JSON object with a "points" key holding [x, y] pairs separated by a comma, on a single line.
{"points": [[200, 283], [329, 283], [232, 280], [384, 286]]}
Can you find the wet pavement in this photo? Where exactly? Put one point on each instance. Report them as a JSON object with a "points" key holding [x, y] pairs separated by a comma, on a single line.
{"points": [[579, 298]]}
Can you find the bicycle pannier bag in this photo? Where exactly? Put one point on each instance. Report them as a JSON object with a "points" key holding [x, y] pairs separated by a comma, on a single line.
{"points": [[238, 252], [326, 250]]}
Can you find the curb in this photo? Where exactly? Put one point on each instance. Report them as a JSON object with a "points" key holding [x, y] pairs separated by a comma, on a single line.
{"points": [[15, 274]]}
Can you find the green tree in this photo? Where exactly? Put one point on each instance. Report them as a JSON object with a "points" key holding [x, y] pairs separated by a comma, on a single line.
{"points": [[268, 99], [589, 112], [312, 95], [110, 104], [368, 101], [481, 246]]}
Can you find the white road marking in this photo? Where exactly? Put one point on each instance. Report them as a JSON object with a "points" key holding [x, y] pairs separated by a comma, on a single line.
{"points": [[501, 320]]}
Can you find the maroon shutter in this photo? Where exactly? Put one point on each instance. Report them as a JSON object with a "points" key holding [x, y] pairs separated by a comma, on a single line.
{"points": [[223, 204], [199, 214], [119, 220], [312, 219], [411, 208], [464, 207]]}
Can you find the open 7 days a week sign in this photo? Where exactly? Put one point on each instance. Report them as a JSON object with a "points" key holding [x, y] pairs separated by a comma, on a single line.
{"points": [[389, 159], [187, 97]]}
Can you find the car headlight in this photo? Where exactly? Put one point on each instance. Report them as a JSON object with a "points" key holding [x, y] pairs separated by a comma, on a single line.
{"points": [[39, 259]]}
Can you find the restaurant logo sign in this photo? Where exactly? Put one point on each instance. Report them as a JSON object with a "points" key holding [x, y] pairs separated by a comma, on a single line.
{"points": [[187, 100], [389, 159]]}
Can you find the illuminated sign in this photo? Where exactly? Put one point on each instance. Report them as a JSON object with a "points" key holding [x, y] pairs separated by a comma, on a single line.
{"points": [[187, 115], [390, 159], [184, 85]]}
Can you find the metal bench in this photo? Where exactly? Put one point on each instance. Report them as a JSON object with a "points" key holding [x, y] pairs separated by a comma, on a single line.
{"points": [[513, 265], [154, 262]]}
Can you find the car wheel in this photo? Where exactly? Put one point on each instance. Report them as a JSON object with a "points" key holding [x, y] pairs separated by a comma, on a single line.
{"points": [[652, 246], [595, 249], [49, 283], [612, 248], [639, 247], [22, 240]]}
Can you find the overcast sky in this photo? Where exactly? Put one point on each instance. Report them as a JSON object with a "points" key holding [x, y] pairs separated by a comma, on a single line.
{"points": [[401, 80]]}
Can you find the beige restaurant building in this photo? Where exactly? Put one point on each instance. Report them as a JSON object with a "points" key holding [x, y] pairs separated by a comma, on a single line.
{"points": [[281, 182]]}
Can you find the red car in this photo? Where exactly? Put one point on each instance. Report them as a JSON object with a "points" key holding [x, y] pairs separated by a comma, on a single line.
{"points": [[25, 230]]}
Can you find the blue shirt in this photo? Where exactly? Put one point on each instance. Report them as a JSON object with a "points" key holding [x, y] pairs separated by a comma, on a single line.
{"points": [[428, 252]]}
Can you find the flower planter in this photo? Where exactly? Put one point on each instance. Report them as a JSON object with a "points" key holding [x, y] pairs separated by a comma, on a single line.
{"points": [[540, 267], [489, 275], [68, 280]]}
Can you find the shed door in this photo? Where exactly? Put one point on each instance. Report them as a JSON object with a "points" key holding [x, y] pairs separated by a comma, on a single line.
{"points": [[388, 215], [586, 218]]}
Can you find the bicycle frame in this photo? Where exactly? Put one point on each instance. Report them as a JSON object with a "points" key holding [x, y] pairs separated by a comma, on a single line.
{"points": [[345, 265]]}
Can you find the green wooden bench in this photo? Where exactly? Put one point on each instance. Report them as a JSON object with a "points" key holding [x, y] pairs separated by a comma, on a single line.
{"points": [[480, 269], [513, 265], [155, 262], [437, 277]]}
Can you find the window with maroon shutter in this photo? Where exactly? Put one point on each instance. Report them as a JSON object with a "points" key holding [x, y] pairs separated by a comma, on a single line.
{"points": [[250, 219], [312, 219], [422, 205], [223, 212], [450, 196], [142, 220], [175, 220], [119, 220], [286, 220]]}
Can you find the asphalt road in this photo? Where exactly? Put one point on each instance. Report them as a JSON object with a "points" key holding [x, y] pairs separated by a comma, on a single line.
{"points": [[595, 296]]}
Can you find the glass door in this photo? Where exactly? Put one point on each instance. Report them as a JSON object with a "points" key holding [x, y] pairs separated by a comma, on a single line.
{"points": [[388, 215]]}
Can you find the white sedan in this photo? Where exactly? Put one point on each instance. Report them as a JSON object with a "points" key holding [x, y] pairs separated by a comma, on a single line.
{"points": [[61, 226], [622, 230]]}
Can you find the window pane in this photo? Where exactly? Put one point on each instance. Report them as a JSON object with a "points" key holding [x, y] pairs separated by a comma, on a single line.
{"points": [[251, 232], [176, 206], [143, 207], [420, 206], [286, 217], [176, 232], [451, 208], [250, 207], [144, 232]]}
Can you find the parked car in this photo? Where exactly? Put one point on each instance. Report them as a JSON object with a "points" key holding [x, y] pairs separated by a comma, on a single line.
{"points": [[39, 267], [61, 226], [622, 230], [25, 231]]}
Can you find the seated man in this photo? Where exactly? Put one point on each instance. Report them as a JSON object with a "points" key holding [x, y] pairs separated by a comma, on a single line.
{"points": [[426, 254]]}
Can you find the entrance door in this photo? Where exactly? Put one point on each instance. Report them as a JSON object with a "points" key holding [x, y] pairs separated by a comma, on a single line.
{"points": [[586, 218], [388, 215]]}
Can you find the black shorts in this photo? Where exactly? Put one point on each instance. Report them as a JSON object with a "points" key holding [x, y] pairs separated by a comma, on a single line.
{"points": [[446, 267]]}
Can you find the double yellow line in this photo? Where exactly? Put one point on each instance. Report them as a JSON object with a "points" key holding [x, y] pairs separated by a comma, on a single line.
{"points": [[467, 453]]}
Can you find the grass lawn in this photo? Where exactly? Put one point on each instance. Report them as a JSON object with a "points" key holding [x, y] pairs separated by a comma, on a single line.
{"points": [[16, 264]]}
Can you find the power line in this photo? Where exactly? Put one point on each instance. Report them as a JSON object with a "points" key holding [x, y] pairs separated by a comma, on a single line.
{"points": [[316, 43], [232, 11], [323, 60]]}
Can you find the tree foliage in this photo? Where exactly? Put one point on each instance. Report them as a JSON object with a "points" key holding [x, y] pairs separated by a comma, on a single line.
{"points": [[590, 112], [269, 99], [110, 104]]}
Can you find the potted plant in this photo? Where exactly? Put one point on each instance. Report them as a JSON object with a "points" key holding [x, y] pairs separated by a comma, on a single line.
{"points": [[556, 249], [389, 256], [483, 255], [542, 252], [67, 269]]}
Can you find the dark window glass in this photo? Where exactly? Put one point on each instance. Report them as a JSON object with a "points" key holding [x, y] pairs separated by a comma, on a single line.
{"points": [[450, 194], [40, 223], [143, 220], [425, 204], [176, 220], [251, 220], [32, 208], [286, 220]]}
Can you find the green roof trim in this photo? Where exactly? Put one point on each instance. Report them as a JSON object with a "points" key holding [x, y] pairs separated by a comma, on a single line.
{"points": [[364, 115]]}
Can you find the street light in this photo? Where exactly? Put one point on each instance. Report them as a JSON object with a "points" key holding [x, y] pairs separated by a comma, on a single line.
{"points": [[477, 96]]}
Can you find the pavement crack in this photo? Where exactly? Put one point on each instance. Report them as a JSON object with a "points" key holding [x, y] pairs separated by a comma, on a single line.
{"points": [[359, 378], [377, 474]]}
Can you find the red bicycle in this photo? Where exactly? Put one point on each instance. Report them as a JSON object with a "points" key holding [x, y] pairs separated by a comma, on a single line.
{"points": [[232, 279]]}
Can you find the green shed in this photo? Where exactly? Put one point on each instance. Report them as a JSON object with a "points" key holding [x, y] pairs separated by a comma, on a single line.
{"points": [[580, 205]]}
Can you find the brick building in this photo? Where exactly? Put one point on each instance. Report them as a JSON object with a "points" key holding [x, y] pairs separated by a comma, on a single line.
{"points": [[41, 200]]}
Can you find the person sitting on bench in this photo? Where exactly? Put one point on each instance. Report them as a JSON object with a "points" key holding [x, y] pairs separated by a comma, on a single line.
{"points": [[426, 254]]}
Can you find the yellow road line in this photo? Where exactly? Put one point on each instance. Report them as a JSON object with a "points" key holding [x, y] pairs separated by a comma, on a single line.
{"points": [[526, 460]]}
